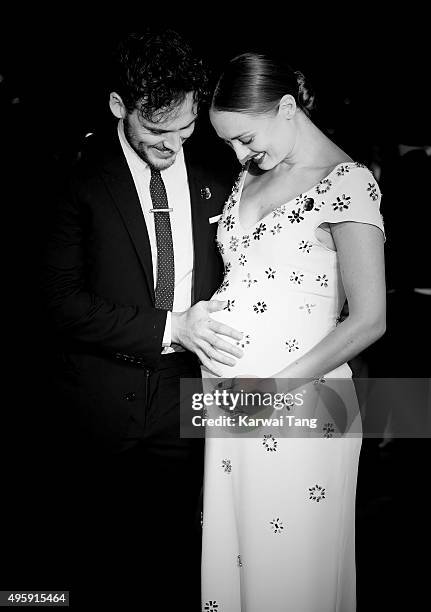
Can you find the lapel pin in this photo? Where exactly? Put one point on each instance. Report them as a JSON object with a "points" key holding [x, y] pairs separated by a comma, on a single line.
{"points": [[206, 193]]}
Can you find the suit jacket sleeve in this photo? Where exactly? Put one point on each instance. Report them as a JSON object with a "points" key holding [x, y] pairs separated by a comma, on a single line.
{"points": [[79, 313]]}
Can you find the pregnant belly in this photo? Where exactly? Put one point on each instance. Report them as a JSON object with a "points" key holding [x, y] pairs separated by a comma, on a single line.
{"points": [[276, 329], [271, 332]]}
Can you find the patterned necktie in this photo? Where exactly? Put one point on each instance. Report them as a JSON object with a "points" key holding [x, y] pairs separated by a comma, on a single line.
{"points": [[165, 284]]}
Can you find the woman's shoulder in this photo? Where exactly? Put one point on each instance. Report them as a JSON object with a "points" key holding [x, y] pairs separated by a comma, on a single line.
{"points": [[352, 174]]}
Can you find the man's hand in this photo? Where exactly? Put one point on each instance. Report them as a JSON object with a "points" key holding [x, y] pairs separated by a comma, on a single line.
{"points": [[196, 331]]}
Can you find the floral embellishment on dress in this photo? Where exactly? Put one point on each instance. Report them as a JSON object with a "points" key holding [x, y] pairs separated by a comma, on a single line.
{"points": [[249, 281], [229, 204], [308, 204], [258, 232], [307, 307], [279, 211], [237, 184], [288, 404], [342, 203], [220, 247], [305, 246], [324, 186], [243, 343], [227, 465], [342, 170], [295, 215], [223, 286], [229, 222], [322, 279], [300, 200], [211, 606], [292, 345], [246, 241], [230, 305], [360, 165], [328, 430], [260, 307], [269, 442], [276, 229], [242, 259], [373, 191], [297, 277], [305, 202], [270, 273], [227, 268], [233, 244], [276, 525], [317, 493]]}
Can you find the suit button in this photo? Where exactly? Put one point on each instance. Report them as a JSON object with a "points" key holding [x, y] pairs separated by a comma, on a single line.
{"points": [[130, 397]]}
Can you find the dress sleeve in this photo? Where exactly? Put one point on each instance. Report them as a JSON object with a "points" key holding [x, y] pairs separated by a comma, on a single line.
{"points": [[356, 197]]}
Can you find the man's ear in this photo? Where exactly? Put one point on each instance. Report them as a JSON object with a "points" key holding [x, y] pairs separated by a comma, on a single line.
{"points": [[116, 105], [287, 106]]}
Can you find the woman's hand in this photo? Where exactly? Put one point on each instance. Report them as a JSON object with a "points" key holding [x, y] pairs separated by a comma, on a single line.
{"points": [[248, 393]]}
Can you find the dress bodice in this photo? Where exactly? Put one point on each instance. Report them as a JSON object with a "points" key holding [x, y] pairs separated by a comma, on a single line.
{"points": [[283, 287]]}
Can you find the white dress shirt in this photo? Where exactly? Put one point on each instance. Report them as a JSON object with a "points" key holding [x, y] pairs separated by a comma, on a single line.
{"points": [[177, 189]]}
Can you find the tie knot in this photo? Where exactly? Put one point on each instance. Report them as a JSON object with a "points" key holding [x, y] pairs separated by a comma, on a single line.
{"points": [[156, 181]]}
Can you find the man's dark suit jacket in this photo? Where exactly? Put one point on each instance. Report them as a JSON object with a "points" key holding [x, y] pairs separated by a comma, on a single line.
{"points": [[98, 281]]}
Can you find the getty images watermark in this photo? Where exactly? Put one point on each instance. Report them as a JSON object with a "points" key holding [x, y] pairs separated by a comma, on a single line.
{"points": [[239, 404], [323, 408]]}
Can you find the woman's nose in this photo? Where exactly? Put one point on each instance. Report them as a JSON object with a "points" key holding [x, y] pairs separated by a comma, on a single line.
{"points": [[242, 151]]}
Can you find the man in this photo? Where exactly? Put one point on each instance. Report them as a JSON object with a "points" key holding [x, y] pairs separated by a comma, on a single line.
{"points": [[130, 262]]}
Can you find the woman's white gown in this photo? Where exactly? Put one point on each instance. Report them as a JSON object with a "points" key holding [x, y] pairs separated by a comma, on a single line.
{"points": [[279, 505]]}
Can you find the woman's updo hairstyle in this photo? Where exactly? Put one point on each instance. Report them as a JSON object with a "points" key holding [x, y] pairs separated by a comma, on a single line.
{"points": [[254, 83]]}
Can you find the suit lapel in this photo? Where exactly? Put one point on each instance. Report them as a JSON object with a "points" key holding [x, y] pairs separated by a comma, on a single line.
{"points": [[200, 225], [119, 181]]}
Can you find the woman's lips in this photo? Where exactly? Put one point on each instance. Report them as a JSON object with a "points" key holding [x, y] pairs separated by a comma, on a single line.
{"points": [[258, 158]]}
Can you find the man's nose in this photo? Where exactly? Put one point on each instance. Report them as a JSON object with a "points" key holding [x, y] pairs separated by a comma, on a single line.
{"points": [[173, 142]]}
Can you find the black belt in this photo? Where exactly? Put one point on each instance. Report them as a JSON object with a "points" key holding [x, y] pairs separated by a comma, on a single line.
{"points": [[166, 360], [130, 359]]}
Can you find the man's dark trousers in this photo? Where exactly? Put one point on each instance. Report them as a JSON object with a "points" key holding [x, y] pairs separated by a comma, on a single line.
{"points": [[138, 510]]}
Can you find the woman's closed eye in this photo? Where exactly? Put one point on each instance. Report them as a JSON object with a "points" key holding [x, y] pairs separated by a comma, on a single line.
{"points": [[243, 142], [247, 142]]}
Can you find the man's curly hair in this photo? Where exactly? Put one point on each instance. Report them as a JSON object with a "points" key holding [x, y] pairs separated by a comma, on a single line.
{"points": [[154, 71]]}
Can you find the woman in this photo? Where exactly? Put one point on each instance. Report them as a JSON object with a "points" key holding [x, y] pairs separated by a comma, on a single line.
{"points": [[300, 233]]}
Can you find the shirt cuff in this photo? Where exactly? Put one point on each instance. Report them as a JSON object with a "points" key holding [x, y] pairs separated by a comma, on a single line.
{"points": [[167, 336]]}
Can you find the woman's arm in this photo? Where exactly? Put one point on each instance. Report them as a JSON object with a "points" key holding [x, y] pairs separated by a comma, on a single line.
{"points": [[360, 252]]}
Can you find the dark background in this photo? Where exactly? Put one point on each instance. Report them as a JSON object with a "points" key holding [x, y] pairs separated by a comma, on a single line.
{"points": [[370, 73], [369, 69]]}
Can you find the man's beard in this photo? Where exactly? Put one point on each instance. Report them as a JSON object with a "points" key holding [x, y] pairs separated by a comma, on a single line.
{"points": [[141, 151]]}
